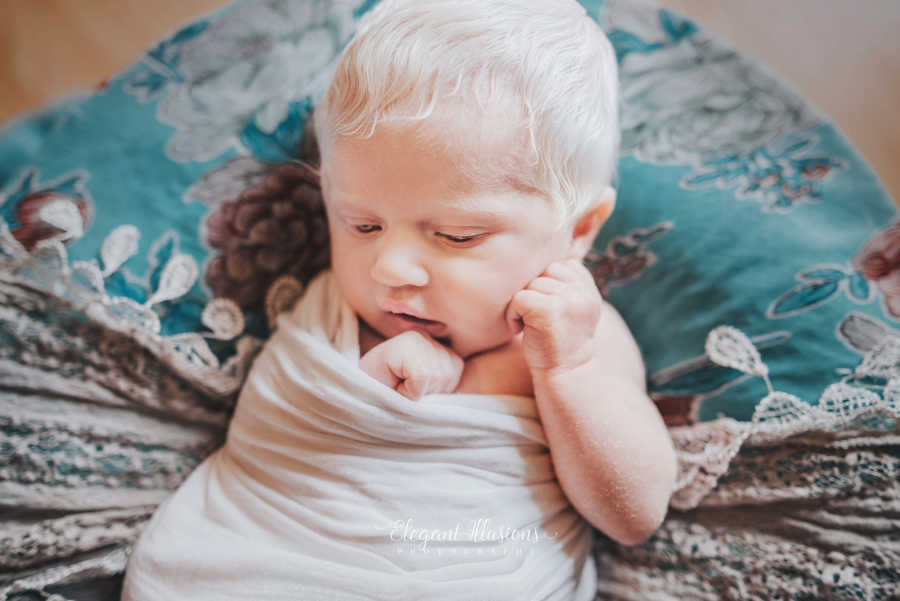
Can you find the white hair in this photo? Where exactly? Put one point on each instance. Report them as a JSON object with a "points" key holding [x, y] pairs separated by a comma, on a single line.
{"points": [[541, 74]]}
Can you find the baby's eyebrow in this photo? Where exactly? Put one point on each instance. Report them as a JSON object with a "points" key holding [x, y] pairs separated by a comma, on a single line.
{"points": [[464, 207]]}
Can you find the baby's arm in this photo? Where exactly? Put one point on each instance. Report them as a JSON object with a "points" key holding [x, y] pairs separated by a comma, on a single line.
{"points": [[610, 448]]}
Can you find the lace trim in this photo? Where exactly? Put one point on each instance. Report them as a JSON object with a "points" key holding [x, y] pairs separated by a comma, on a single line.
{"points": [[743, 553], [844, 410], [82, 286], [59, 456], [49, 346], [107, 563], [29, 543], [813, 517]]}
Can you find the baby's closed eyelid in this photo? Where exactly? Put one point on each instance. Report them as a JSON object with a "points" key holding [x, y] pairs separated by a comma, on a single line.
{"points": [[373, 226], [459, 238], [452, 240]]}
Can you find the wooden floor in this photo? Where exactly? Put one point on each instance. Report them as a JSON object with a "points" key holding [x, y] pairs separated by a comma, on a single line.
{"points": [[51, 47], [843, 56]]}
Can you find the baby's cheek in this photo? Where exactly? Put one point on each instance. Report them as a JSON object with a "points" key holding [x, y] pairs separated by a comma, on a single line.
{"points": [[347, 260]]}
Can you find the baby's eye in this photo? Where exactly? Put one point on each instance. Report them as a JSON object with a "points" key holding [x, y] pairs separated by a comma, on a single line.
{"points": [[457, 239], [364, 229]]}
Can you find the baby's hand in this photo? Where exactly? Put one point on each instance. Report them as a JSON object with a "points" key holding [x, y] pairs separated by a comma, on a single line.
{"points": [[413, 364], [559, 311]]}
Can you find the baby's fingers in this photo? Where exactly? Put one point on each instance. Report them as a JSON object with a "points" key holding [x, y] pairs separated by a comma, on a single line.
{"points": [[418, 384], [530, 307], [549, 285], [409, 384], [410, 389]]}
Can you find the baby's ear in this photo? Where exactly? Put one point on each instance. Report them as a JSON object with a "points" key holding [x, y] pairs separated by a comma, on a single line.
{"points": [[590, 222]]}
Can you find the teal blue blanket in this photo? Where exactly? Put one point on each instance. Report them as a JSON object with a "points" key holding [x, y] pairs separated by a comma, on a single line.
{"points": [[151, 230]]}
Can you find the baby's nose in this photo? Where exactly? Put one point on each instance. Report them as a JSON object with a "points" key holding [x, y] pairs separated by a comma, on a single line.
{"points": [[398, 264]]}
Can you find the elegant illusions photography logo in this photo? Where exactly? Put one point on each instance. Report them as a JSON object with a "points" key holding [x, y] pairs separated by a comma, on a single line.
{"points": [[470, 537]]}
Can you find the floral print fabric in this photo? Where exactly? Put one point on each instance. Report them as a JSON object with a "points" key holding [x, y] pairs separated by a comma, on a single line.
{"points": [[151, 230]]}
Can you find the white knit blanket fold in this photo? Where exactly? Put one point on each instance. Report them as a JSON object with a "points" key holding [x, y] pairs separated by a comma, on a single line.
{"points": [[333, 486]]}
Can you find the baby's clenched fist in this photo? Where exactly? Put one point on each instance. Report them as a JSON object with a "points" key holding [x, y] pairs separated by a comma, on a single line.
{"points": [[414, 364]]}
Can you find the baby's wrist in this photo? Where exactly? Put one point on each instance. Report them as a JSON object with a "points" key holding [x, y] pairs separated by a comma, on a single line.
{"points": [[564, 377], [579, 362]]}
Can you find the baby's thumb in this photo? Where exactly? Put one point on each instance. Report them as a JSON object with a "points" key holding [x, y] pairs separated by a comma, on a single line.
{"points": [[513, 318]]}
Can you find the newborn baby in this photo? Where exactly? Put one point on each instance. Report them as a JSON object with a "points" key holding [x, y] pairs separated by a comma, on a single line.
{"points": [[467, 150]]}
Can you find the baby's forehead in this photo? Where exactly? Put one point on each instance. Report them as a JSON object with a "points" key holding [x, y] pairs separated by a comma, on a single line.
{"points": [[482, 153], [486, 172], [478, 129], [471, 200]]}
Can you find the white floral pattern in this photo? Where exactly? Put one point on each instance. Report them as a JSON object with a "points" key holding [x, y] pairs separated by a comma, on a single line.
{"points": [[82, 284], [696, 98], [248, 65]]}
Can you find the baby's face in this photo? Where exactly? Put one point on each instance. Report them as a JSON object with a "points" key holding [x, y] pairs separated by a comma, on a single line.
{"points": [[410, 234]]}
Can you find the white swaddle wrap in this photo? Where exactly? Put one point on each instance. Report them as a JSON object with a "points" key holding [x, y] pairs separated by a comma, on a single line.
{"points": [[333, 486]]}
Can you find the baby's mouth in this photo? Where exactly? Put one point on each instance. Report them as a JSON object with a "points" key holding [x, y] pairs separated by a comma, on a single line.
{"points": [[405, 321], [409, 317]]}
